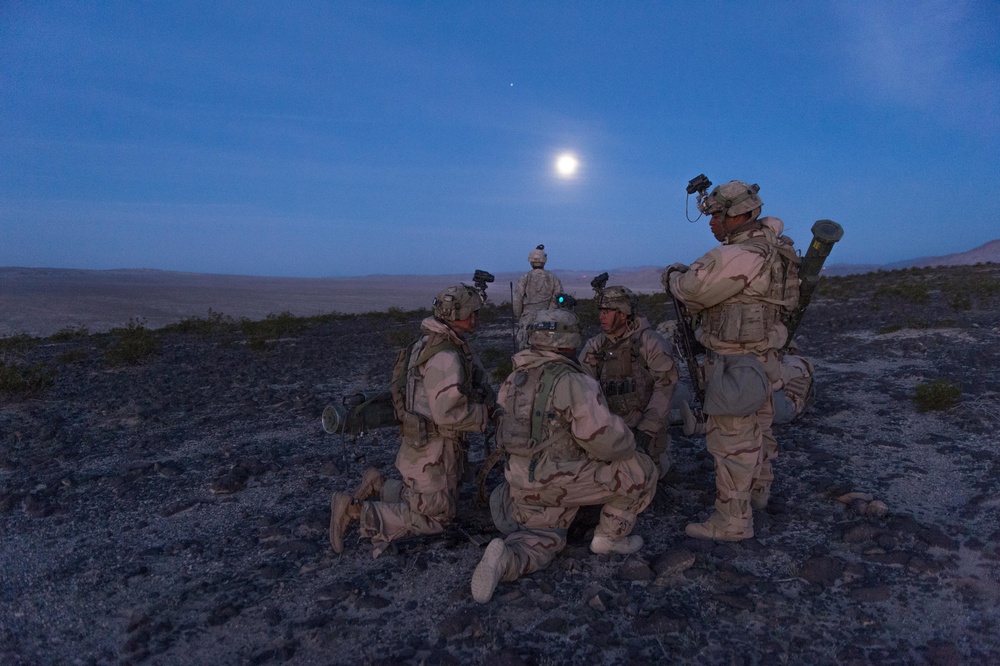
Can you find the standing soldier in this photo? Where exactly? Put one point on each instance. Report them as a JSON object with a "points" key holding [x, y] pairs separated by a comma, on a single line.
{"points": [[565, 450], [738, 294], [441, 393], [535, 291], [635, 368]]}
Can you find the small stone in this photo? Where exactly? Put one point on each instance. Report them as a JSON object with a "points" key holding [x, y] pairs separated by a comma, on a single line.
{"points": [[635, 570], [871, 594], [553, 625], [823, 570], [459, 621], [673, 563]]}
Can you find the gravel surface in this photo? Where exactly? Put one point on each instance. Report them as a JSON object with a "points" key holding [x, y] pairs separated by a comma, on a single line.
{"points": [[175, 511]]}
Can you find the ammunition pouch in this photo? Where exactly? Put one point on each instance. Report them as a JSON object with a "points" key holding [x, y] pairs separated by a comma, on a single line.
{"points": [[623, 399], [415, 430], [742, 322]]}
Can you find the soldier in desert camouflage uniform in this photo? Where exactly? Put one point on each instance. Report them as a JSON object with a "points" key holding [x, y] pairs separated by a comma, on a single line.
{"points": [[737, 294], [636, 370], [535, 291], [446, 396], [565, 450]]}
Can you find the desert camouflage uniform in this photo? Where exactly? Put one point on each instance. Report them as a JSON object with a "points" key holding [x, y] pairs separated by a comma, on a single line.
{"points": [[536, 290], [794, 390], [431, 466], [639, 387], [737, 272], [590, 459]]}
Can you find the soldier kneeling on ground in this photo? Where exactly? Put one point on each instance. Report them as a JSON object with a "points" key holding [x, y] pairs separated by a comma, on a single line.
{"points": [[443, 394], [565, 449], [635, 367]]}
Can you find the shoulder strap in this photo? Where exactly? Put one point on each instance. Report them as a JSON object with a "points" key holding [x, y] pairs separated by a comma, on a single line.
{"points": [[550, 373]]}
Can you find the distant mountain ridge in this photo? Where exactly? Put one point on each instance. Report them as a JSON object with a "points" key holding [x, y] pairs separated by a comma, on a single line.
{"points": [[985, 253]]}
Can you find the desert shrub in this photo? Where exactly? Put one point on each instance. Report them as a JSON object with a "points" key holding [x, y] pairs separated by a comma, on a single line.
{"points": [[960, 301], [17, 344], [72, 356], [272, 327], [214, 322], [504, 367], [28, 380], [938, 395], [397, 314], [400, 337], [69, 334], [916, 292], [135, 344], [489, 313]]}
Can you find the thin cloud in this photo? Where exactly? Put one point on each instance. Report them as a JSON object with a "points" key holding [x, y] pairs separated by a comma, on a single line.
{"points": [[936, 56]]}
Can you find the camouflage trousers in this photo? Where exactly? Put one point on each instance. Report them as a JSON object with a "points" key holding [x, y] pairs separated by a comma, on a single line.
{"points": [[743, 448], [536, 531], [524, 323], [424, 502]]}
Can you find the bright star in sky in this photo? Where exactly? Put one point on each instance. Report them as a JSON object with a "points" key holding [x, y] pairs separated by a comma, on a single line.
{"points": [[567, 165]]}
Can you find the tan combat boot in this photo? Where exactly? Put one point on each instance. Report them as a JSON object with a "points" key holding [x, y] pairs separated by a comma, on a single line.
{"points": [[343, 509], [370, 486], [717, 528], [690, 423], [602, 545], [489, 571]]}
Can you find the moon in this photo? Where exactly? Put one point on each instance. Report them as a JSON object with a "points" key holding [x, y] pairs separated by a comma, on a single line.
{"points": [[567, 165]]}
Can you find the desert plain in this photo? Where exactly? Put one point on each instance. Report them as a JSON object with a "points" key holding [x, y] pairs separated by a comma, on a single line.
{"points": [[164, 499]]}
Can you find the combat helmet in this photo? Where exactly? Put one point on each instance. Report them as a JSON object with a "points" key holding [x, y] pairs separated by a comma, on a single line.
{"points": [[618, 298], [555, 329], [537, 257], [733, 198], [457, 303]]}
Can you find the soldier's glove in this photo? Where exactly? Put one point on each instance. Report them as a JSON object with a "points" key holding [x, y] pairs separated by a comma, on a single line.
{"points": [[642, 440], [678, 268]]}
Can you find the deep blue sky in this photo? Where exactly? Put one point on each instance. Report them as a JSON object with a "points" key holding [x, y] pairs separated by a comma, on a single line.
{"points": [[342, 138]]}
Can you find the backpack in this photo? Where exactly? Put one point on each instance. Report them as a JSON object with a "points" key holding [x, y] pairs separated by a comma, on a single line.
{"points": [[784, 291], [403, 371], [528, 397]]}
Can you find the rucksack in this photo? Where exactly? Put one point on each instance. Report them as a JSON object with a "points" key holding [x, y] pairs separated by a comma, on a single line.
{"points": [[520, 436], [402, 370]]}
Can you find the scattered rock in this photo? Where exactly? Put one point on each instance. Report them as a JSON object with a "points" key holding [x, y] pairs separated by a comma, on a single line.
{"points": [[823, 570], [871, 594]]}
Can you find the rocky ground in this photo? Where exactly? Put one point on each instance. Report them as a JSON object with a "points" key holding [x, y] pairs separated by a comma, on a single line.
{"points": [[164, 500]]}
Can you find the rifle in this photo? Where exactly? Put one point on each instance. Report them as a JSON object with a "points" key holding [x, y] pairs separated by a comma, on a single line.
{"points": [[689, 344], [513, 321]]}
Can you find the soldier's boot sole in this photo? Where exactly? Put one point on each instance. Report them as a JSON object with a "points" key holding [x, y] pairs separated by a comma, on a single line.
{"points": [[602, 545], [340, 518], [710, 530], [370, 486], [488, 572]]}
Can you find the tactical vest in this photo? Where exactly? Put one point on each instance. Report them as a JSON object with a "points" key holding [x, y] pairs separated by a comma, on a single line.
{"points": [[748, 319], [624, 377], [409, 398], [525, 420]]}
